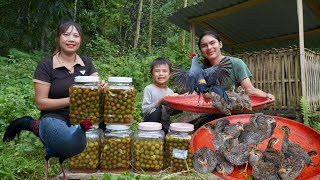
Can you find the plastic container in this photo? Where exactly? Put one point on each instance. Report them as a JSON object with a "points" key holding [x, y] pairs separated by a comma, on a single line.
{"points": [[148, 146], [88, 160], [178, 152], [119, 101], [85, 100], [115, 149]]}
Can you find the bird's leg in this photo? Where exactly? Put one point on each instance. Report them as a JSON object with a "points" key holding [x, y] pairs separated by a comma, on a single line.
{"points": [[47, 167], [64, 174]]}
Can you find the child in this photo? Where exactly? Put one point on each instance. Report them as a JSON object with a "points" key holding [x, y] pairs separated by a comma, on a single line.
{"points": [[152, 107]]}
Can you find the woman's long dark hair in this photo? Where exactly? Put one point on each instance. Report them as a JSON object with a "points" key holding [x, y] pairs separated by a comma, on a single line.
{"points": [[206, 63], [62, 28]]}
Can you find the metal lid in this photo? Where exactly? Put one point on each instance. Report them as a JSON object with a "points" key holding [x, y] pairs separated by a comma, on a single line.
{"points": [[150, 126], [182, 127], [117, 127], [120, 79], [86, 79]]}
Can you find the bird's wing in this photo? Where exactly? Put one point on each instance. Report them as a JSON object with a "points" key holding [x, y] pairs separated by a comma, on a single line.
{"points": [[218, 72], [184, 80], [219, 91]]}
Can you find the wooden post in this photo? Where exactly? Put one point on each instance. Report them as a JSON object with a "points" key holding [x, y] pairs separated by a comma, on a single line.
{"points": [[301, 48], [192, 36]]}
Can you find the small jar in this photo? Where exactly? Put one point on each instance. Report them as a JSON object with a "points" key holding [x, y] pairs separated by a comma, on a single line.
{"points": [[88, 159], [119, 101], [115, 149], [178, 153], [148, 146], [85, 100]]}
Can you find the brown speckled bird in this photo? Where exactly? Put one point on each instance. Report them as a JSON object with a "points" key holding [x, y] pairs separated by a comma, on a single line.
{"points": [[272, 154], [236, 153], [224, 167], [245, 99], [204, 160], [218, 126], [262, 170], [291, 168], [258, 129], [292, 149], [234, 130]]}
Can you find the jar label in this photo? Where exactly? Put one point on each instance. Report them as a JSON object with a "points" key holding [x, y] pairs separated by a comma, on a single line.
{"points": [[179, 153]]}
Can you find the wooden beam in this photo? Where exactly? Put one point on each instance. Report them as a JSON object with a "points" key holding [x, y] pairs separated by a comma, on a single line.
{"points": [[225, 39], [193, 36], [228, 10], [314, 6], [313, 32], [301, 50]]}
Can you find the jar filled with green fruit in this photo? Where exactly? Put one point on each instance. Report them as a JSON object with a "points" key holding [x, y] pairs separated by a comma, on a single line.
{"points": [[148, 146], [88, 159], [119, 101], [177, 152], [115, 149], [85, 100]]}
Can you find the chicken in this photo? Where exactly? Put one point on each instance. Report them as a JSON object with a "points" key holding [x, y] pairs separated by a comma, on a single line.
{"points": [[272, 154], [200, 80], [204, 160], [234, 130], [223, 167], [219, 140], [245, 99], [217, 127], [60, 140], [262, 170], [236, 153], [235, 102], [218, 102], [291, 149], [258, 129], [293, 166]]}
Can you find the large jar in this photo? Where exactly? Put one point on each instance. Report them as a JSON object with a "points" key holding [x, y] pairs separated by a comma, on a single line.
{"points": [[119, 101], [178, 153], [85, 100], [148, 146], [88, 159], [115, 149]]}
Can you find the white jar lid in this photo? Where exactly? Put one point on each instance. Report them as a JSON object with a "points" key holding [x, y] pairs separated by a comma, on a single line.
{"points": [[150, 126], [182, 127], [120, 79], [86, 79], [117, 127]]}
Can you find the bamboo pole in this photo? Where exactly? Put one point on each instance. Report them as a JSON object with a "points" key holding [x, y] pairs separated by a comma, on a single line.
{"points": [[193, 36], [301, 47]]}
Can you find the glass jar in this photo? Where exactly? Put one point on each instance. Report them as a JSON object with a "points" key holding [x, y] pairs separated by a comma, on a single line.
{"points": [[115, 149], [85, 100], [119, 101], [177, 152], [88, 159], [148, 146]]}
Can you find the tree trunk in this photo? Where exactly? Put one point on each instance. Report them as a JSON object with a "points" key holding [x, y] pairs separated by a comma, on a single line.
{"points": [[136, 39], [150, 26], [183, 31]]}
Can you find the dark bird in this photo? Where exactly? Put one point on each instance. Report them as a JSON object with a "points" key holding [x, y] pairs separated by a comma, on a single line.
{"points": [[293, 166], [60, 140], [218, 102], [204, 160], [234, 130], [235, 152], [272, 154], [259, 128], [292, 149], [245, 99], [260, 169], [218, 126], [223, 167], [202, 80], [235, 102]]}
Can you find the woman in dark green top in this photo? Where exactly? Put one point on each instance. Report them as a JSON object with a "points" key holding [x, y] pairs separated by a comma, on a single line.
{"points": [[210, 46]]}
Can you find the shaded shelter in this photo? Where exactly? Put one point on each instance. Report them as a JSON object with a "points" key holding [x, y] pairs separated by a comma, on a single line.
{"points": [[262, 33]]}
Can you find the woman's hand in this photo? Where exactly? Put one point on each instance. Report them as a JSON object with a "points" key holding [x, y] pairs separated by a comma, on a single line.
{"points": [[270, 96]]}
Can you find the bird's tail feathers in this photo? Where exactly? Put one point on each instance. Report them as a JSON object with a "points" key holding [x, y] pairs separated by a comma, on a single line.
{"points": [[23, 123]]}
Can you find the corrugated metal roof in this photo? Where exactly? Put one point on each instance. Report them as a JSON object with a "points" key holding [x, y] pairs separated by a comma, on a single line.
{"points": [[253, 24]]}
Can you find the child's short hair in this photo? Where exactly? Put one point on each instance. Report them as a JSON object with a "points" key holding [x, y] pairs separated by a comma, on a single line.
{"points": [[159, 61]]}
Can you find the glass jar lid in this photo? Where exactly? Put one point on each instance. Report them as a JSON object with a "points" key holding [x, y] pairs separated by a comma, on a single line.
{"points": [[86, 79], [150, 126], [117, 127], [182, 127], [120, 79]]}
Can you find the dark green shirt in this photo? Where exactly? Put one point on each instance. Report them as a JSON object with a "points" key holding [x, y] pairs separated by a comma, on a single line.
{"points": [[238, 72]]}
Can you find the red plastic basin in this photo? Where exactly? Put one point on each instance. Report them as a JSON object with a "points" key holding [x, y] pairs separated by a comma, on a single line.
{"points": [[191, 103], [303, 135]]}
